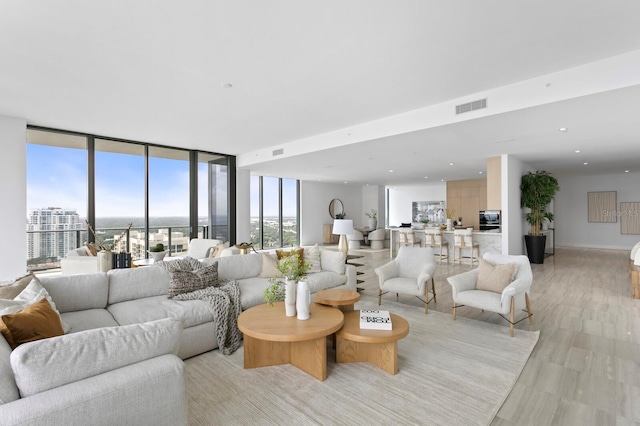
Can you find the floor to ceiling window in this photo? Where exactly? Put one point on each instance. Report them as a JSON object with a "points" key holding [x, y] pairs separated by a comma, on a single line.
{"points": [[274, 204], [143, 193], [56, 196]]}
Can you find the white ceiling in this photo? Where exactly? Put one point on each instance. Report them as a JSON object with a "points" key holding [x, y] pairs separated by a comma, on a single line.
{"points": [[153, 70]]}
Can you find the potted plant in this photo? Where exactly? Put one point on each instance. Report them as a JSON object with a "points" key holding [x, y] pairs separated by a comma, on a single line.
{"points": [[158, 252], [373, 218], [538, 189]]}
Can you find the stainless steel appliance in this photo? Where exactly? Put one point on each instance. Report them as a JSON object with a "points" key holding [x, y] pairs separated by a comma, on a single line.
{"points": [[489, 220]]}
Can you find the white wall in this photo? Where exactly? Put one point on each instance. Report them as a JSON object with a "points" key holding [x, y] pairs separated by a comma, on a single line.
{"points": [[571, 220], [13, 189], [402, 197], [514, 227], [314, 205], [373, 197]]}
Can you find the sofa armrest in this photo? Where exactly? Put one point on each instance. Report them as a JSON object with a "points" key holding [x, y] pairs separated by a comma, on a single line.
{"points": [[350, 272], [387, 271], [37, 366], [149, 392]]}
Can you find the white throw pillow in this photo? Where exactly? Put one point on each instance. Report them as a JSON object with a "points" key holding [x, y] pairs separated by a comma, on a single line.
{"points": [[33, 293], [333, 261], [312, 255]]}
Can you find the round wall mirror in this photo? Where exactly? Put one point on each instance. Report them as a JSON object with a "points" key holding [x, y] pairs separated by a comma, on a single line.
{"points": [[335, 208]]}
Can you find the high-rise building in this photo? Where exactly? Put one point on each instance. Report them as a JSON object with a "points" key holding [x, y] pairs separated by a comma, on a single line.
{"points": [[62, 226]]}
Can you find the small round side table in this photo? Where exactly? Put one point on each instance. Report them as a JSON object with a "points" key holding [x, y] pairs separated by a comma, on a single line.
{"points": [[338, 298]]}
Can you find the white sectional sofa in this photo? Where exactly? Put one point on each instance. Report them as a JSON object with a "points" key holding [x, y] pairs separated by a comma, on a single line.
{"points": [[139, 379]]}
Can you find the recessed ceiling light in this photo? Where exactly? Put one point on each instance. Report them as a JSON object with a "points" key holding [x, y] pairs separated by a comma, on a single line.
{"points": [[441, 180], [577, 151], [626, 171], [345, 181], [426, 177], [479, 173], [451, 164], [390, 171], [585, 163], [226, 85], [563, 129]]}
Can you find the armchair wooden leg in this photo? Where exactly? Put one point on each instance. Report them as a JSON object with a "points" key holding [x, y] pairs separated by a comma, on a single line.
{"points": [[512, 316], [397, 296], [526, 299], [454, 310], [379, 297], [426, 301]]}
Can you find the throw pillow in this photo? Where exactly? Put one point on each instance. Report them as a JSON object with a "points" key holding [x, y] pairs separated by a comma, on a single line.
{"points": [[188, 281], [91, 249], [495, 277], [284, 253], [35, 322], [186, 264], [312, 255], [269, 267], [31, 294], [333, 261], [11, 290], [216, 251]]}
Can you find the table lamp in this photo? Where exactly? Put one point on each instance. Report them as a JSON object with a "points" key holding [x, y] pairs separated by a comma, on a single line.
{"points": [[343, 227]]}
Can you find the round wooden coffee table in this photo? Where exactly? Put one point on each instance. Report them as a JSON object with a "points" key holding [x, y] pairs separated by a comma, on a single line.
{"points": [[338, 298], [379, 347], [272, 338]]}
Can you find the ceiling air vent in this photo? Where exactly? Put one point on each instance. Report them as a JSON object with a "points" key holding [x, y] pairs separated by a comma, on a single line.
{"points": [[471, 106], [277, 152]]}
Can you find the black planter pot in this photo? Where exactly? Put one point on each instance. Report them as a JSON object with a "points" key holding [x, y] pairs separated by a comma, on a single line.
{"points": [[535, 247]]}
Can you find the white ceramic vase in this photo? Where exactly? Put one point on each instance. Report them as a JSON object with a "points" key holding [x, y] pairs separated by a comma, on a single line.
{"points": [[303, 300], [105, 260], [373, 223], [449, 225], [290, 298]]}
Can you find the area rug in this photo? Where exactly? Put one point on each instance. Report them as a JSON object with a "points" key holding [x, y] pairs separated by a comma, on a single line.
{"points": [[450, 373]]}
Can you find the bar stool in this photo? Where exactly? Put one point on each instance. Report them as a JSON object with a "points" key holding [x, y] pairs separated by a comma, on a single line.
{"points": [[408, 238], [462, 240], [433, 238]]}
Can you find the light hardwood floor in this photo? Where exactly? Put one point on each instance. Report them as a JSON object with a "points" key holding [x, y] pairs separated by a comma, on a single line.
{"points": [[585, 368]]}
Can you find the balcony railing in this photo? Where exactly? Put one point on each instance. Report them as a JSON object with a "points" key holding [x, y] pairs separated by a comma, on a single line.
{"points": [[79, 238]]}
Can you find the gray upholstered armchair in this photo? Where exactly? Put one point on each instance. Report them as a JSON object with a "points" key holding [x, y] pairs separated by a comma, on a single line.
{"points": [[503, 298], [409, 273]]}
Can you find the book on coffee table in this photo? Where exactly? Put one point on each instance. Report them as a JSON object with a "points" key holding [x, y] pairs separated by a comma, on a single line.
{"points": [[375, 320]]}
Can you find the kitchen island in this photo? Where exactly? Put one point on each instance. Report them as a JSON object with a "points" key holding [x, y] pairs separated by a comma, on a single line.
{"points": [[488, 241]]}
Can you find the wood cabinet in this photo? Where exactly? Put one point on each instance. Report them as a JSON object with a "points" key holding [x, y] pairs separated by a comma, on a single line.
{"points": [[468, 197], [327, 236]]}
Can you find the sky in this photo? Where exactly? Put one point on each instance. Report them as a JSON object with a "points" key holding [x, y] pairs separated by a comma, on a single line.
{"points": [[57, 177]]}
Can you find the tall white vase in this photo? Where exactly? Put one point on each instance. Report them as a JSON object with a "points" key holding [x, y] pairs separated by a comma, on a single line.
{"points": [[373, 223], [105, 260], [303, 300], [449, 225], [290, 298]]}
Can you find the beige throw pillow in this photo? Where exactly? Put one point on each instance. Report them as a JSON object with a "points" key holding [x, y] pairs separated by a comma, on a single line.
{"points": [[312, 255], [495, 277], [217, 250], [11, 290], [269, 267]]}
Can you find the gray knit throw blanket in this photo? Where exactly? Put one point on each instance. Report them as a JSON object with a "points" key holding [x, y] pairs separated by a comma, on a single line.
{"points": [[224, 299]]}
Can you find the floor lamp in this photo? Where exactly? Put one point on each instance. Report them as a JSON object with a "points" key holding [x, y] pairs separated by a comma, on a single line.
{"points": [[343, 227]]}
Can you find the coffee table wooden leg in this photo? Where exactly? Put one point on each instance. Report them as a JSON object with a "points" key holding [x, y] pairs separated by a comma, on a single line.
{"points": [[262, 353], [310, 356], [382, 355]]}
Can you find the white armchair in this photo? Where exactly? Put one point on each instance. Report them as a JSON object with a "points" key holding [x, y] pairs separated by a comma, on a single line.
{"points": [[79, 262], [354, 239], [409, 273], [514, 296]]}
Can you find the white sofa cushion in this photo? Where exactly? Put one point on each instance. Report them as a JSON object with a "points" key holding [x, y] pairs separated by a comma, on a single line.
{"points": [[78, 292], [237, 267], [88, 319], [50, 363], [189, 312], [8, 389], [325, 279], [136, 283]]}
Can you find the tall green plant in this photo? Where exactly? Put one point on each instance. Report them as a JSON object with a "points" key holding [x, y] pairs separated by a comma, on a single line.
{"points": [[538, 189]]}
